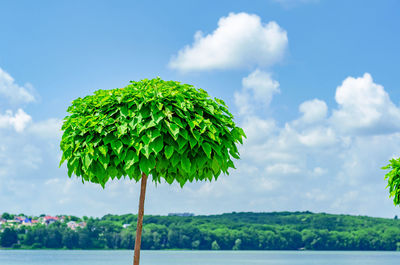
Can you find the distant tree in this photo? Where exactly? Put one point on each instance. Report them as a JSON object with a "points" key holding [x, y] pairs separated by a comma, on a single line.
{"points": [[54, 238], [7, 216], [238, 244], [84, 241], [215, 246], [74, 218], [8, 238], [196, 244], [70, 239]]}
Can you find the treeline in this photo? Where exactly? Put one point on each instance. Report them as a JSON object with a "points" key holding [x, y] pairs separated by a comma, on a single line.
{"points": [[234, 231]]}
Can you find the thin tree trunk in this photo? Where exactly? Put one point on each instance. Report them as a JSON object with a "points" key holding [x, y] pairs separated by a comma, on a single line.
{"points": [[139, 226]]}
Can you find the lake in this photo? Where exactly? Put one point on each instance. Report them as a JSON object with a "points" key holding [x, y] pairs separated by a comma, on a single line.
{"points": [[121, 257]]}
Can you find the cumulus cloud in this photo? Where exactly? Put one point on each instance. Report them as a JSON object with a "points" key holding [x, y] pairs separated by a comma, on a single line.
{"points": [[18, 121], [24, 144], [258, 89], [241, 40], [262, 86], [313, 111], [325, 161], [47, 129], [14, 92], [365, 107], [308, 163]]}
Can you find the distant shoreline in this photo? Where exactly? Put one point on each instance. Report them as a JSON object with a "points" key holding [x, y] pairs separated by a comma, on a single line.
{"points": [[297, 231], [195, 250]]}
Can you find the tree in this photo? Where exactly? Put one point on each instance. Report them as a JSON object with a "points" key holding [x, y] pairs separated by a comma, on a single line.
{"points": [[393, 179], [165, 129], [238, 244], [214, 245], [7, 216], [8, 238]]}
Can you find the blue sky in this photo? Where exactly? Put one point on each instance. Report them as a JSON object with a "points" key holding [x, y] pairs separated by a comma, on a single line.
{"points": [[313, 83]]}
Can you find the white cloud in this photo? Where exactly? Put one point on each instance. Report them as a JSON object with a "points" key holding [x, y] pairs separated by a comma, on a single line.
{"points": [[329, 161], [317, 137], [241, 40], [308, 163], [48, 129], [258, 89], [282, 169], [365, 107], [12, 91], [262, 86], [253, 125], [243, 102], [18, 121], [22, 153], [313, 111]]}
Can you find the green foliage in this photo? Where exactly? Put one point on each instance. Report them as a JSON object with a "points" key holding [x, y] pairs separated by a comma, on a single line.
{"points": [[215, 246], [7, 216], [234, 231], [8, 238], [166, 129], [393, 179]]}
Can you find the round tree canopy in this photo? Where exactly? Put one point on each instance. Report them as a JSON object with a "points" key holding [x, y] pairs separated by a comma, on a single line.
{"points": [[162, 128]]}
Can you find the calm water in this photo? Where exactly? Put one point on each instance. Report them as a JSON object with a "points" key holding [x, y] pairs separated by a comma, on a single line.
{"points": [[95, 257]]}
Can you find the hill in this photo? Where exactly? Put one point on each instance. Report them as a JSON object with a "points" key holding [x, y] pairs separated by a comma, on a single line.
{"points": [[237, 231]]}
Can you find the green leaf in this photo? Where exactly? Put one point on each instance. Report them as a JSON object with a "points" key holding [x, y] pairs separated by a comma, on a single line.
{"points": [[88, 160], [109, 138], [62, 160], [192, 142], [146, 165], [184, 134], [177, 121], [157, 116], [117, 146], [122, 128], [215, 165], [207, 149], [191, 123], [168, 151], [234, 153], [208, 174], [146, 150], [124, 110], [173, 129], [181, 142], [103, 150], [175, 159], [153, 134], [150, 124], [140, 128], [104, 160], [146, 139], [220, 101], [112, 171], [185, 163], [157, 145], [131, 158], [133, 123]]}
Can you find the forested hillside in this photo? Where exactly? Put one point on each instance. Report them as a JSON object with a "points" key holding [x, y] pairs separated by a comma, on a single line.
{"points": [[233, 231]]}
